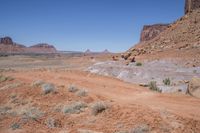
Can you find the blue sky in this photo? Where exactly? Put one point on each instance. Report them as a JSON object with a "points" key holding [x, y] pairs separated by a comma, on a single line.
{"points": [[84, 24]]}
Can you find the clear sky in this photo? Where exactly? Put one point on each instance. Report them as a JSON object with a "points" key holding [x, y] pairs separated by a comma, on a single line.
{"points": [[84, 24]]}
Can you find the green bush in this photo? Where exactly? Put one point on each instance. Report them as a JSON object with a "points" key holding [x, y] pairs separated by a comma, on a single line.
{"points": [[74, 108], [138, 64], [153, 86], [82, 93], [48, 88], [167, 81], [72, 88], [98, 107], [15, 126]]}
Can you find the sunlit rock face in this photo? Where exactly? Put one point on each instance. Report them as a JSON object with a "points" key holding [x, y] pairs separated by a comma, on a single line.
{"points": [[191, 5], [151, 31]]}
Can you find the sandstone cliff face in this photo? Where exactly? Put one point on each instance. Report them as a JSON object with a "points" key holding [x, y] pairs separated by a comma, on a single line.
{"points": [[151, 31], [42, 48], [181, 40], [191, 5], [8, 46]]}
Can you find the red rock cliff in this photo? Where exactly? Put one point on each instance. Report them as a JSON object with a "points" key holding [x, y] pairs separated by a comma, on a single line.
{"points": [[191, 5], [151, 31]]}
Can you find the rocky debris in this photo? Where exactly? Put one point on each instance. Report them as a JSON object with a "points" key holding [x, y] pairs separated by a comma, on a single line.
{"points": [[194, 87], [158, 71], [151, 31], [6, 40], [180, 40], [191, 5]]}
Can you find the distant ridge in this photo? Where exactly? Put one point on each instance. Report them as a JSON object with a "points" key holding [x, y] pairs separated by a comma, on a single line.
{"points": [[8, 46]]}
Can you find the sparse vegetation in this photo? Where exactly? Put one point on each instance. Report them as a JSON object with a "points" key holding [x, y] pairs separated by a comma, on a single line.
{"points": [[98, 107], [140, 129], [167, 81], [37, 83], [138, 64], [5, 78], [75, 108], [153, 86], [72, 88], [82, 93], [32, 113], [48, 88], [15, 126], [52, 123]]}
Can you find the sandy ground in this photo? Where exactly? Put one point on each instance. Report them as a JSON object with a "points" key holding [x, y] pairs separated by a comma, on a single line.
{"points": [[130, 106]]}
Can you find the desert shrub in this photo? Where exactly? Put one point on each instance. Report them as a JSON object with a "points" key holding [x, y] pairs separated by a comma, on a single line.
{"points": [[15, 126], [74, 108], [167, 81], [48, 88], [37, 83], [194, 71], [140, 129], [82, 93], [32, 113], [138, 64], [52, 123], [5, 78], [153, 86], [98, 107], [72, 88]]}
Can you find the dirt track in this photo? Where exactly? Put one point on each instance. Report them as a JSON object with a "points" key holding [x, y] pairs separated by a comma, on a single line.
{"points": [[130, 104], [121, 92]]}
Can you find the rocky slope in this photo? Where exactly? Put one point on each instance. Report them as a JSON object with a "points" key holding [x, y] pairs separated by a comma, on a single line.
{"points": [[151, 31], [181, 40], [191, 5], [8, 46]]}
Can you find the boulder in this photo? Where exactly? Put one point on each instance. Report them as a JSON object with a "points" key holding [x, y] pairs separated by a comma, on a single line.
{"points": [[194, 87]]}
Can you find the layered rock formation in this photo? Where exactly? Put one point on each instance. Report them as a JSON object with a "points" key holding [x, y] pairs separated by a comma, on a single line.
{"points": [[6, 40], [8, 46], [42, 48], [181, 40], [191, 5], [151, 31]]}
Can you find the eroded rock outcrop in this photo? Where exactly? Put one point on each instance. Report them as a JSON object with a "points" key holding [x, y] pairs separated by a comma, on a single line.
{"points": [[8, 46], [151, 31], [6, 40], [42, 48], [194, 87], [191, 5]]}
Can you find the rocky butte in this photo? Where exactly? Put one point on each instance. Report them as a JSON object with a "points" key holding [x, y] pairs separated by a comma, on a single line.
{"points": [[191, 5], [8, 46]]}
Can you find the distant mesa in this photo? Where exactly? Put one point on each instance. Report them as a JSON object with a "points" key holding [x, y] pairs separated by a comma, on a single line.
{"points": [[8, 46], [105, 51], [88, 51], [191, 5], [42, 45], [42, 48], [6, 40], [151, 31]]}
